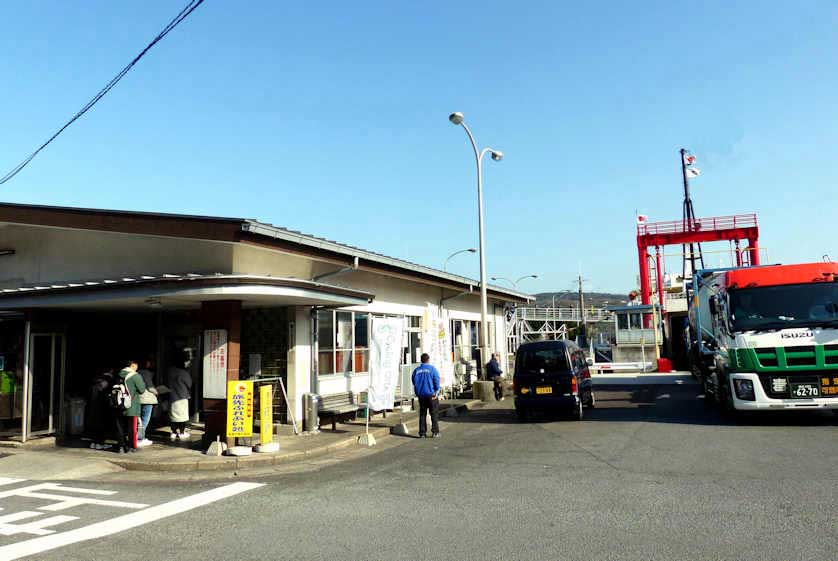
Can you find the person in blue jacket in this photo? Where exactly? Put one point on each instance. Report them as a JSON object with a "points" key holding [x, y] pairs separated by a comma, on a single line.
{"points": [[426, 387], [494, 373]]}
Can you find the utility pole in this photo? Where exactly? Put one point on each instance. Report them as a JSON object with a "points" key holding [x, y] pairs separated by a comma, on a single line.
{"points": [[583, 336], [688, 221]]}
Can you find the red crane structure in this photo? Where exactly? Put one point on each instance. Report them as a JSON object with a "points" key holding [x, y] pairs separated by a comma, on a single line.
{"points": [[693, 231]]}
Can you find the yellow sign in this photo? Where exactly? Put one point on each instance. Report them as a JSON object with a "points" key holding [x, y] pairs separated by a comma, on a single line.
{"points": [[239, 408], [266, 415]]}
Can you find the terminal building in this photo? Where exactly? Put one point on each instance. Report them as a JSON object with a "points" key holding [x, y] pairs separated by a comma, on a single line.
{"points": [[83, 289]]}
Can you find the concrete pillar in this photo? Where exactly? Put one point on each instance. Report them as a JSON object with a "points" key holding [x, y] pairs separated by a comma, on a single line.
{"points": [[299, 360], [222, 315]]}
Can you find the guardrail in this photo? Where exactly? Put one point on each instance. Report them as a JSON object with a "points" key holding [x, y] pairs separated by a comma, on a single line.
{"points": [[713, 223], [562, 314]]}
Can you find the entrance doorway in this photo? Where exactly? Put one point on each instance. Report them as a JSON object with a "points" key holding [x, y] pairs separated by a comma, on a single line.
{"points": [[43, 383]]}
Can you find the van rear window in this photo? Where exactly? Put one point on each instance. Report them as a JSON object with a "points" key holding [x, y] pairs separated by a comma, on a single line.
{"points": [[551, 360]]}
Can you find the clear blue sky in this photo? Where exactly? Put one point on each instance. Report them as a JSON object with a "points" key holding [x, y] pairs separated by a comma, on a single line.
{"points": [[331, 118]]}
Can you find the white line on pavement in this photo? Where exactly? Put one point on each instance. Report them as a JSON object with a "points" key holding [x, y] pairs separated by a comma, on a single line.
{"points": [[124, 522]]}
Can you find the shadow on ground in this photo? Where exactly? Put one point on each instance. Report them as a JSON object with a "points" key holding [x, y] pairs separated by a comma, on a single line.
{"points": [[655, 404]]}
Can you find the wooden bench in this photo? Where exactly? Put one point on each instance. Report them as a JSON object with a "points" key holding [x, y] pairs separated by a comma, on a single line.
{"points": [[337, 407]]}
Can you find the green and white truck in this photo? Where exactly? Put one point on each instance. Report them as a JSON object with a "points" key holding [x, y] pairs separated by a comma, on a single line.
{"points": [[766, 338]]}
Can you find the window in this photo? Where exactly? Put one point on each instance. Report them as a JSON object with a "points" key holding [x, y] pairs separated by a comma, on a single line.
{"points": [[344, 338], [342, 342], [362, 342], [325, 342], [542, 358], [622, 321], [413, 351]]}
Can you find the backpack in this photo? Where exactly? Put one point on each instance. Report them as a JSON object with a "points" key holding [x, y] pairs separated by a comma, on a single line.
{"points": [[120, 396]]}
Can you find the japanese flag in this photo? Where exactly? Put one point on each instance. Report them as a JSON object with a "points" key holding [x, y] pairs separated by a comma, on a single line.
{"points": [[641, 218], [689, 159], [693, 171]]}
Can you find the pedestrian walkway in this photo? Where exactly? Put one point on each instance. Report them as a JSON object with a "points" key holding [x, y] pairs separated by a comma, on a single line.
{"points": [[75, 460]]}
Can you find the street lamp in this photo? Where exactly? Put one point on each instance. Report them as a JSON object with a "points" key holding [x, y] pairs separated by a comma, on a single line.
{"points": [[457, 119], [469, 250], [514, 283], [525, 277]]}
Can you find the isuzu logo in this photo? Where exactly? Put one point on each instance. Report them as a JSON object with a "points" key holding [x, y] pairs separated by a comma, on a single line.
{"points": [[795, 334]]}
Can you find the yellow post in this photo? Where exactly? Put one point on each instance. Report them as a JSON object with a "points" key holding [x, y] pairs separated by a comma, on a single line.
{"points": [[266, 416]]}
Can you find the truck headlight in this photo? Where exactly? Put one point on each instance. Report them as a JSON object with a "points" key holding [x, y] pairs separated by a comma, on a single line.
{"points": [[744, 389]]}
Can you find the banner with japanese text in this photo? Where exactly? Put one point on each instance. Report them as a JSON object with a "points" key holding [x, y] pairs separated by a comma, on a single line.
{"points": [[385, 355], [436, 341], [239, 408], [215, 364]]}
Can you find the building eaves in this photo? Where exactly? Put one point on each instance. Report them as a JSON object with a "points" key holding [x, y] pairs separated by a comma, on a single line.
{"points": [[299, 238]]}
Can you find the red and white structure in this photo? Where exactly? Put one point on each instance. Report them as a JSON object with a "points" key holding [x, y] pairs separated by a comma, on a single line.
{"points": [[656, 235]]}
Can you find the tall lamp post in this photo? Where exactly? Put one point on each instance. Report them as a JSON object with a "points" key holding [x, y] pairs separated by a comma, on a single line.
{"points": [[515, 282], [457, 119], [447, 259]]}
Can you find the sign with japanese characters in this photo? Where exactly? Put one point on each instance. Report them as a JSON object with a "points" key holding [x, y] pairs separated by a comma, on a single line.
{"points": [[239, 408], [215, 363], [266, 414]]}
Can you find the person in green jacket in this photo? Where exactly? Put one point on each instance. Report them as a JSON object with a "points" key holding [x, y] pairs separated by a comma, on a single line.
{"points": [[126, 423]]}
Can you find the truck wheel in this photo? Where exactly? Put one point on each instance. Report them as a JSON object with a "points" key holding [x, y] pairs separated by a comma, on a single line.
{"points": [[522, 415]]}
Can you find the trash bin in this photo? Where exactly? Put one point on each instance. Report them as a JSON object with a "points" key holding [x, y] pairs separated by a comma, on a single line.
{"points": [[75, 408], [311, 412]]}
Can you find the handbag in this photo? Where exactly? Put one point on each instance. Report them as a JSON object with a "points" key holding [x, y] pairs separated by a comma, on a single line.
{"points": [[149, 397]]}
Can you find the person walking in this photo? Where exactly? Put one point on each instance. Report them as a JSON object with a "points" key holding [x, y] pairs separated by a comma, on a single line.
{"points": [[495, 374], [148, 399], [98, 412], [180, 384], [126, 419], [425, 380]]}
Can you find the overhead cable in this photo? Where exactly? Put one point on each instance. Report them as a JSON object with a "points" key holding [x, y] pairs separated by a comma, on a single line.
{"points": [[190, 7]]}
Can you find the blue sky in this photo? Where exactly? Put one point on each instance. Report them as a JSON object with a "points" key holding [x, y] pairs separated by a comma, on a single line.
{"points": [[331, 118]]}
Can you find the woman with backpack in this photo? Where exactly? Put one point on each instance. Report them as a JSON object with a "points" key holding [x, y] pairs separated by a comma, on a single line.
{"points": [[125, 398]]}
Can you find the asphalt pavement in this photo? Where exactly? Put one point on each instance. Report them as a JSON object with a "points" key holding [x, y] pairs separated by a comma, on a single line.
{"points": [[651, 473]]}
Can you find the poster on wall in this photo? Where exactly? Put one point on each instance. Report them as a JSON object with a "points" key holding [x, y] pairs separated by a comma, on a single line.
{"points": [[385, 355], [215, 364], [436, 341]]}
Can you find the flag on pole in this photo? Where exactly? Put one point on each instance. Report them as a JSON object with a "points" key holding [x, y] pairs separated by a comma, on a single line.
{"points": [[689, 159], [641, 218], [693, 171]]}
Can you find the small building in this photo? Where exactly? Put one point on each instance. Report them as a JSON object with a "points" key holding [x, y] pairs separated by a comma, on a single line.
{"points": [[82, 289], [636, 337]]}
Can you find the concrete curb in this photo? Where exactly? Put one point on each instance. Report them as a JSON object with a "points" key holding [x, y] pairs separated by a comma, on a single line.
{"points": [[264, 460]]}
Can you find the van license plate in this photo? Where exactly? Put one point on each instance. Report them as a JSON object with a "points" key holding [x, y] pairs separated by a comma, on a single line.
{"points": [[543, 390], [804, 390]]}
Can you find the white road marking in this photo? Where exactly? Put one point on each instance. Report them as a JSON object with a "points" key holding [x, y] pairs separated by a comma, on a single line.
{"points": [[36, 527], [122, 523], [64, 502]]}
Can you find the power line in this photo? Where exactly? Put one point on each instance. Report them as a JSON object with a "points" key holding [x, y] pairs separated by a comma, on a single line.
{"points": [[190, 7]]}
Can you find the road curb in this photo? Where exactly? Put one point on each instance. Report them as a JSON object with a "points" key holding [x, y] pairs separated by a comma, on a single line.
{"points": [[263, 460]]}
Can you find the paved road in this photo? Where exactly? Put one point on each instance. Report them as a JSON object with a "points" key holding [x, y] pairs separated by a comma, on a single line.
{"points": [[651, 474]]}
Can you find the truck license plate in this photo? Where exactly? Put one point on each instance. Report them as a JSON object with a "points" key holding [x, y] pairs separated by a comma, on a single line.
{"points": [[804, 389]]}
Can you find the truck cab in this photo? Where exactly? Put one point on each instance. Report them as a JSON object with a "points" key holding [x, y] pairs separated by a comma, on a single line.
{"points": [[766, 338]]}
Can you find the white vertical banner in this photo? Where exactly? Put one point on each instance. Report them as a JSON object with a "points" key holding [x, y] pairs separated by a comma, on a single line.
{"points": [[385, 355], [215, 364], [436, 341]]}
